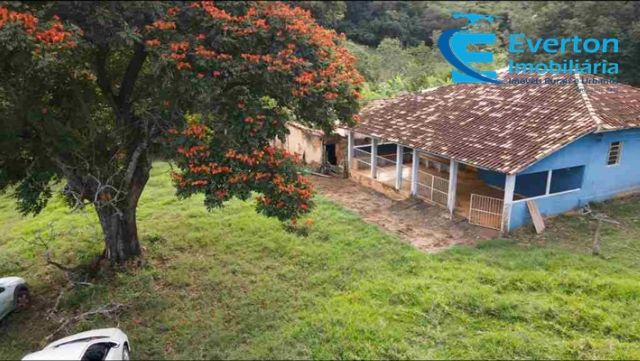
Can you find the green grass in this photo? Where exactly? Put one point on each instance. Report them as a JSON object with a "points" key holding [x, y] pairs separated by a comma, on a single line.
{"points": [[234, 284]]}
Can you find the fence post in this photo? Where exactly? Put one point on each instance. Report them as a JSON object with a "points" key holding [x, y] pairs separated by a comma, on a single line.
{"points": [[415, 163], [399, 156], [374, 158]]}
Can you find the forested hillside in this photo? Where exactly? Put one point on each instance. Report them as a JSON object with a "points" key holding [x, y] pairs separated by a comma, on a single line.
{"points": [[394, 40]]}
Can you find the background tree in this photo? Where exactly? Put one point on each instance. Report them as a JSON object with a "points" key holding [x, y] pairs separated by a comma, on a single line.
{"points": [[616, 19], [327, 13], [91, 92], [416, 26]]}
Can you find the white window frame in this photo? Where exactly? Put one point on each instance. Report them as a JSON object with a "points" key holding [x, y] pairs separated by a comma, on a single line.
{"points": [[619, 158], [548, 192]]}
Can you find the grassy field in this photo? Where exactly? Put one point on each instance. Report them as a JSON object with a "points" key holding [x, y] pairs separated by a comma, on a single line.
{"points": [[233, 284]]}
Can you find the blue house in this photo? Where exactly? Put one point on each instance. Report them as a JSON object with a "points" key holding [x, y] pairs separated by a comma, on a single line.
{"points": [[489, 152]]}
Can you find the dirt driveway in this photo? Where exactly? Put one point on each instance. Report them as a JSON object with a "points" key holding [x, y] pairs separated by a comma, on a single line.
{"points": [[426, 226]]}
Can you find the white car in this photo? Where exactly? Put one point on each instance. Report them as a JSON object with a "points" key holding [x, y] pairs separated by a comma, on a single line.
{"points": [[14, 294], [95, 345]]}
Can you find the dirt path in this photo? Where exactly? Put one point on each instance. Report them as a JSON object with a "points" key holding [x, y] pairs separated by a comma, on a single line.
{"points": [[426, 226]]}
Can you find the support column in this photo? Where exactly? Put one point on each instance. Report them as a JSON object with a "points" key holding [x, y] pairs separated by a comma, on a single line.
{"points": [[453, 186], [509, 188], [374, 158], [399, 157], [415, 163], [350, 145], [549, 178]]}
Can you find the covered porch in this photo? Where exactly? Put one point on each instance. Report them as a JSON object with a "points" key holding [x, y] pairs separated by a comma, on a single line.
{"points": [[405, 172]]}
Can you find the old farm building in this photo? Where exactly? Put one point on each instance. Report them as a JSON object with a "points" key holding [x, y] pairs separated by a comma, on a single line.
{"points": [[314, 146], [495, 153]]}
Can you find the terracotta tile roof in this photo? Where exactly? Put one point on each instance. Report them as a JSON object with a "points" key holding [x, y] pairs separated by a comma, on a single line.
{"points": [[504, 127], [618, 105]]}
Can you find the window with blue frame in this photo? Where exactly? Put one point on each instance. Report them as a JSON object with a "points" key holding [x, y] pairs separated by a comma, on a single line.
{"points": [[531, 184], [566, 179]]}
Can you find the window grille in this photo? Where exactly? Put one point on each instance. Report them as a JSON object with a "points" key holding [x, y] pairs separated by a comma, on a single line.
{"points": [[615, 149]]}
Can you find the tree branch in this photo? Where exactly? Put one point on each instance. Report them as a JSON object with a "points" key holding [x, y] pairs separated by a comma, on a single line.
{"points": [[103, 79], [58, 265], [133, 164], [131, 75], [103, 310], [51, 313]]}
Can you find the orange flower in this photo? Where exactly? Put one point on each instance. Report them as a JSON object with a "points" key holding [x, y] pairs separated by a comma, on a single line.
{"points": [[172, 11], [54, 35], [205, 53], [197, 130], [253, 58], [162, 25], [183, 65], [305, 78], [261, 24], [330, 96], [152, 42], [215, 12], [29, 22], [179, 46]]}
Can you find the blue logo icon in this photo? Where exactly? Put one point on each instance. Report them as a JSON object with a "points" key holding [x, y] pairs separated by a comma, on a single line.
{"points": [[454, 46]]}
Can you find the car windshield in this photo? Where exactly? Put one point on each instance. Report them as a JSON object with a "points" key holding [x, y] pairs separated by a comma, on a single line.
{"points": [[97, 351]]}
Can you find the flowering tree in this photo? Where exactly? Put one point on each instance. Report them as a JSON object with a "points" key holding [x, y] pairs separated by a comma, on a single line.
{"points": [[95, 90]]}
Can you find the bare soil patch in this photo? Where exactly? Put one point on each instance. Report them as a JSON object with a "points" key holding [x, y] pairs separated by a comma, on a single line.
{"points": [[424, 225]]}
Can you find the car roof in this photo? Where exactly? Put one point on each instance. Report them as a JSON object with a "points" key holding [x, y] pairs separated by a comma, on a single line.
{"points": [[110, 333], [73, 347], [8, 281], [66, 352]]}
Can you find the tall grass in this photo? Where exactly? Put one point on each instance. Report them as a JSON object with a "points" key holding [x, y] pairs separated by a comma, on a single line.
{"points": [[234, 284]]}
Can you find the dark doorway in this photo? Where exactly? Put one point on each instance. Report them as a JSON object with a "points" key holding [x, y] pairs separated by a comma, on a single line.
{"points": [[330, 150]]}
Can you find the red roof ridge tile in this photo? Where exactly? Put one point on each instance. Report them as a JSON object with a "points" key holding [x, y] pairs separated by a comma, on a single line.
{"points": [[587, 103]]}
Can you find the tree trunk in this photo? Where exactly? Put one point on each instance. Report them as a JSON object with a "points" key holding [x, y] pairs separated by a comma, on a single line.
{"points": [[120, 234], [119, 221]]}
